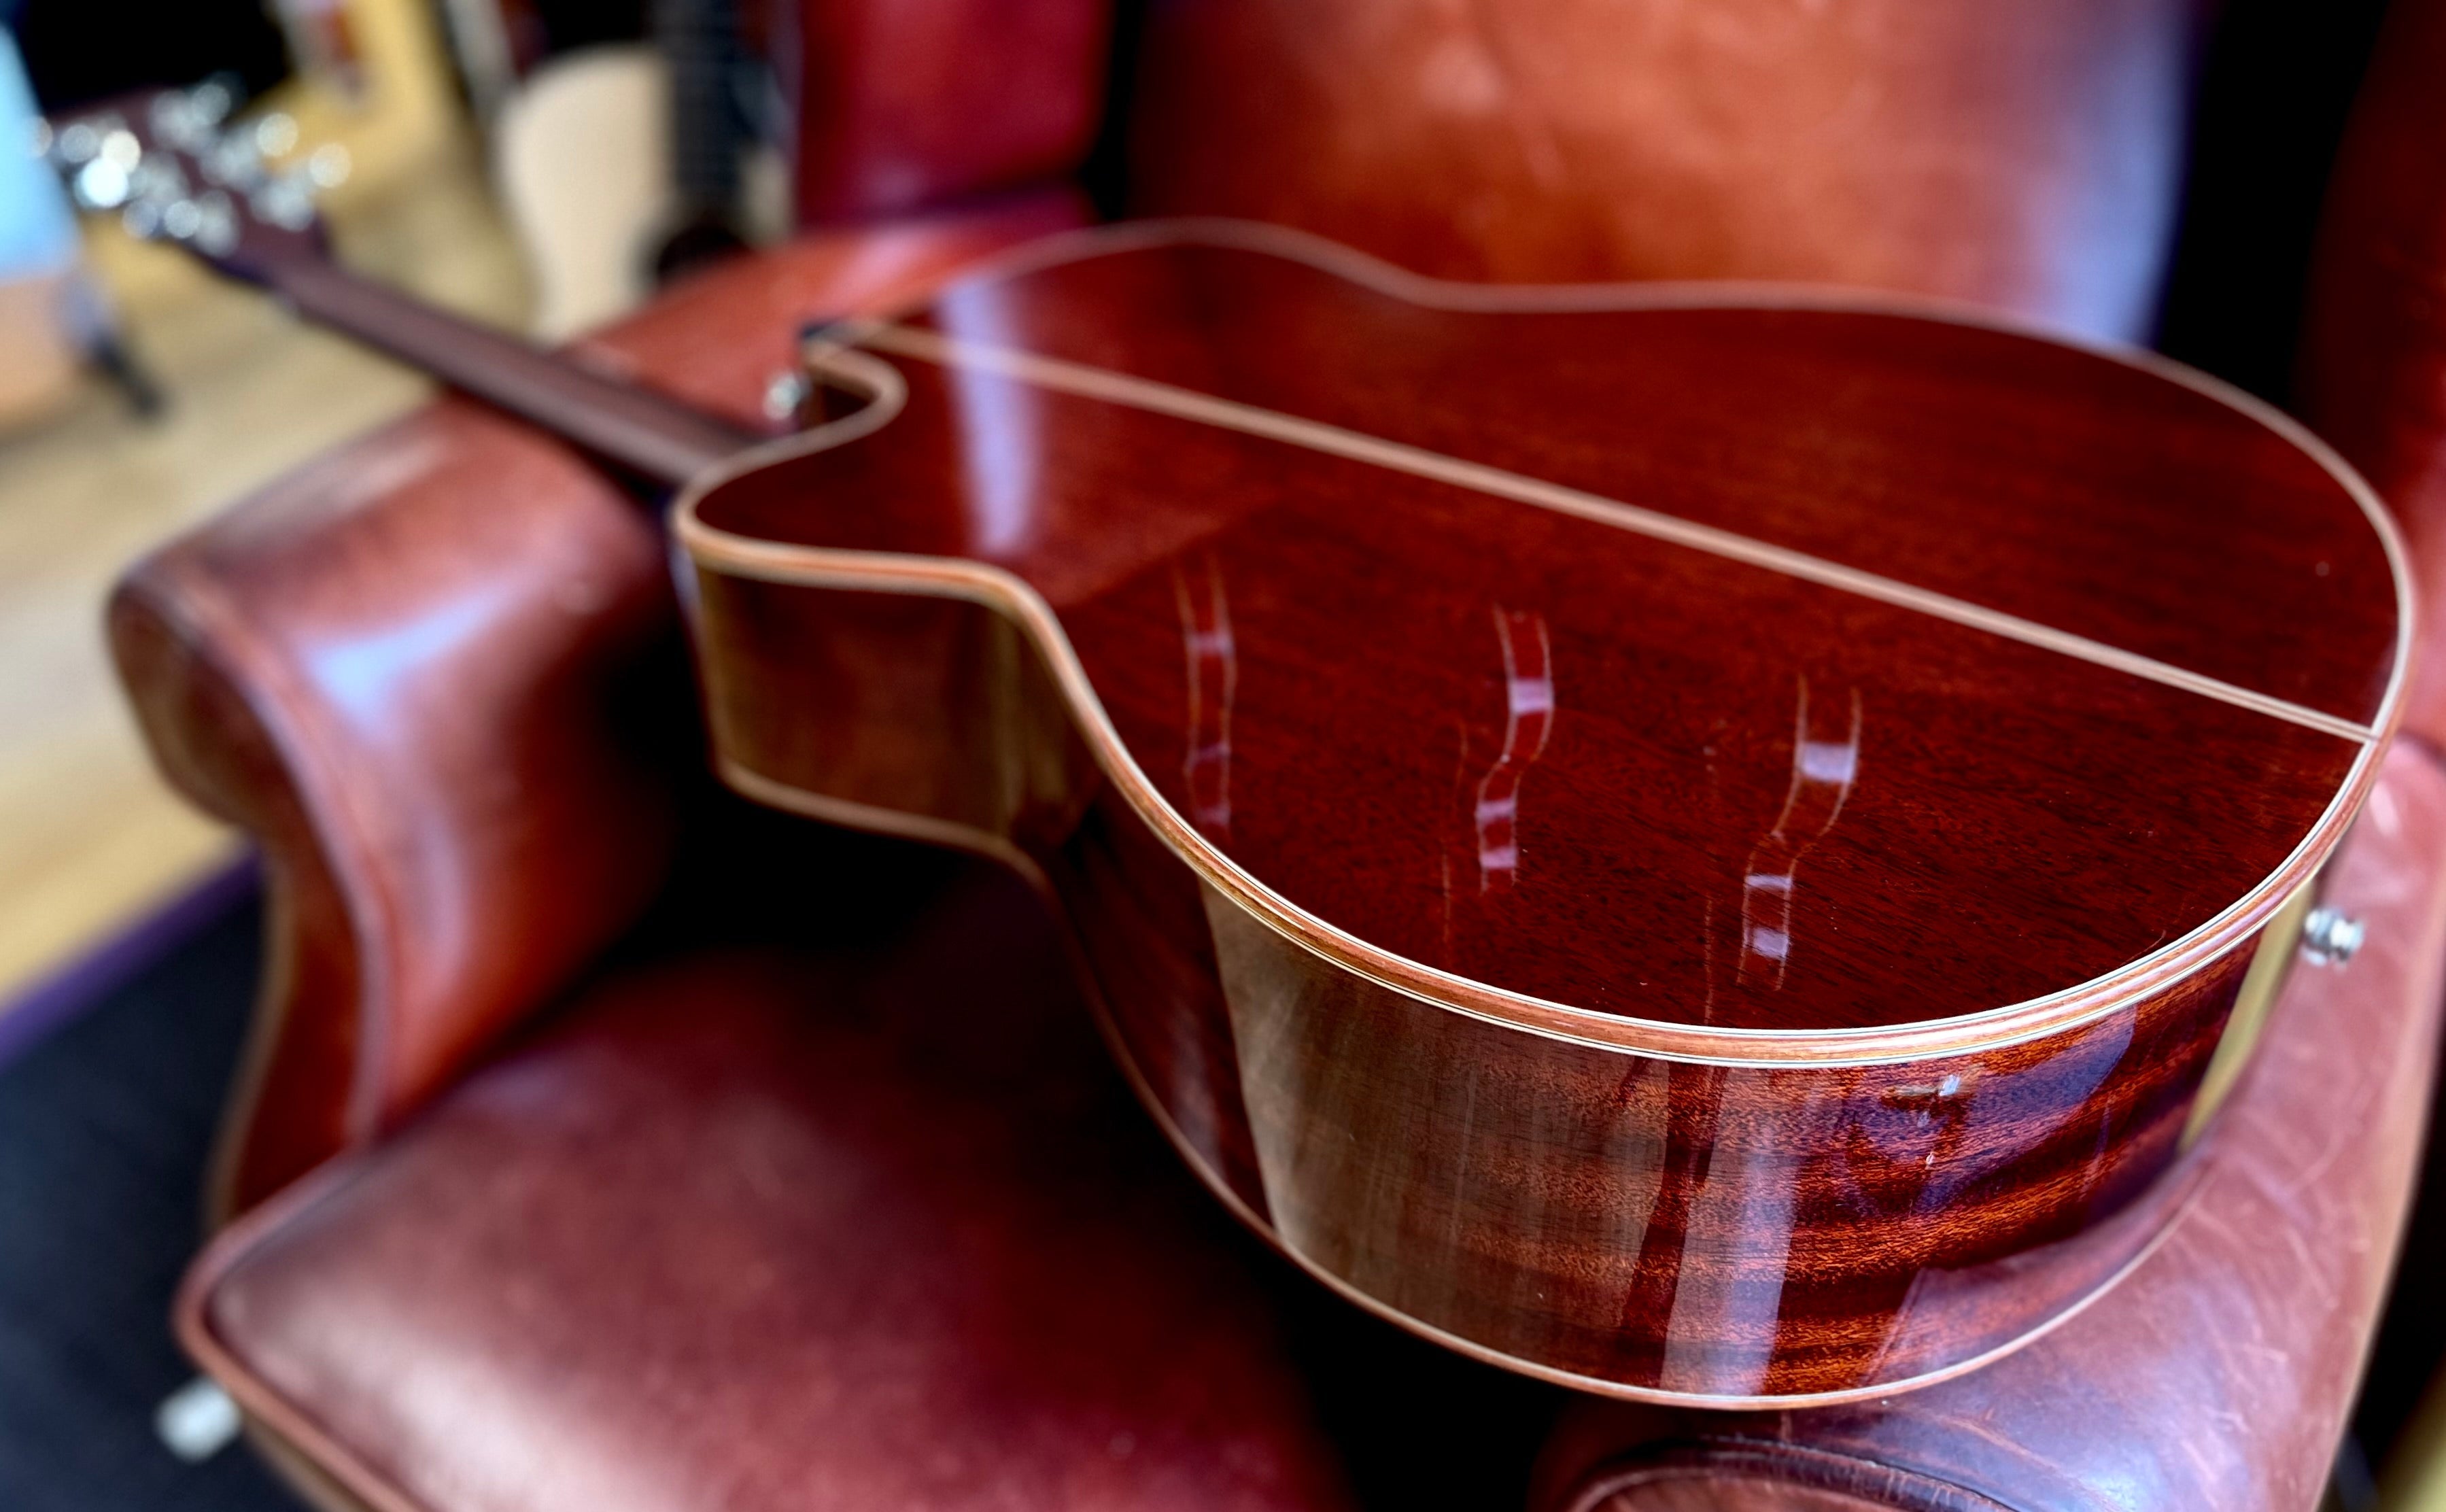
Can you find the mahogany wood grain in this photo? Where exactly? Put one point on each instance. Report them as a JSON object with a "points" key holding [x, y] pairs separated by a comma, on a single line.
{"points": [[1697, 849], [2220, 1374]]}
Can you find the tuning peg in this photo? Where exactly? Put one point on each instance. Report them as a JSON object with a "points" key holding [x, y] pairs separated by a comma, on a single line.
{"points": [[213, 99], [286, 201], [157, 184], [328, 166], [101, 186], [276, 134], [181, 219], [177, 120], [156, 177], [209, 221], [234, 160], [101, 157], [217, 223], [75, 144]]}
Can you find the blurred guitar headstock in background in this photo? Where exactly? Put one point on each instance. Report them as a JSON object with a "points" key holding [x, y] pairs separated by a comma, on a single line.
{"points": [[182, 167]]}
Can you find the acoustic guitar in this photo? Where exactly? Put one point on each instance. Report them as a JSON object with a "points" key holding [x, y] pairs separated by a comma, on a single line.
{"points": [[1719, 844]]}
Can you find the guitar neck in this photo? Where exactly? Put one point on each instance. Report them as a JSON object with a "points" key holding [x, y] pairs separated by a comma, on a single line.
{"points": [[659, 439]]}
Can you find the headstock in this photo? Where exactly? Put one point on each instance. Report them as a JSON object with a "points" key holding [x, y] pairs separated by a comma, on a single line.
{"points": [[175, 166]]}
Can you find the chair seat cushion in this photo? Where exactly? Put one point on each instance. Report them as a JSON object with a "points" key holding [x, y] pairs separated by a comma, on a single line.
{"points": [[750, 1227]]}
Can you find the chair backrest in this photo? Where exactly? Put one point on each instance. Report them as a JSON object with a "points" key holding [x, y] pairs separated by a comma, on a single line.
{"points": [[2373, 356], [2025, 154], [2022, 154], [903, 103]]}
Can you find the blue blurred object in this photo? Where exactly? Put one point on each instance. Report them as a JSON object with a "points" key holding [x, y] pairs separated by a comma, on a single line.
{"points": [[38, 230]]}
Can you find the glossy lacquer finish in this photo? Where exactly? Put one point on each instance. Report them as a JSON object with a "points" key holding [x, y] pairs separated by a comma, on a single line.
{"points": [[1704, 849]]}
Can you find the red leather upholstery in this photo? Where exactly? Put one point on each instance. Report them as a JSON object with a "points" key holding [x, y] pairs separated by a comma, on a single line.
{"points": [[408, 694], [2373, 377], [871, 1225], [435, 672], [2025, 154], [901, 105], [2218, 1375], [557, 1288]]}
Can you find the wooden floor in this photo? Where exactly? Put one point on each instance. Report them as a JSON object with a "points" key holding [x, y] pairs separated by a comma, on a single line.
{"points": [[89, 837]]}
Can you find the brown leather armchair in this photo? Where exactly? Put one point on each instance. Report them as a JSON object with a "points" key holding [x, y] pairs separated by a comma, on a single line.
{"points": [[605, 1143]]}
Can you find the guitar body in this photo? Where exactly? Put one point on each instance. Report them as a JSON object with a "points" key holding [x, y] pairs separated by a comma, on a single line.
{"points": [[1701, 848]]}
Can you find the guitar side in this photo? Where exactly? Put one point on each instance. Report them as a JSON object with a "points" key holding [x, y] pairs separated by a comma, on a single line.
{"points": [[1643, 1225]]}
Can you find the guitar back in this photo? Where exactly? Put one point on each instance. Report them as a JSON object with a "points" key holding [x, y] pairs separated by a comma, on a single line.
{"points": [[1627, 829]]}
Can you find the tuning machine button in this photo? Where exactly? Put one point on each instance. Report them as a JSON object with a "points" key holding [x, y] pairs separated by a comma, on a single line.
{"points": [[215, 223], [286, 202], [74, 144], [102, 157]]}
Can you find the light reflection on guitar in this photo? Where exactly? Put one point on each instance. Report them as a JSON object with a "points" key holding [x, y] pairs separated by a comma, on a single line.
{"points": [[1825, 761], [1528, 724], [1213, 682]]}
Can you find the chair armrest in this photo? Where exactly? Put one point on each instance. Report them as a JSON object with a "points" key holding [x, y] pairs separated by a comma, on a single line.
{"points": [[437, 673], [2219, 1373], [424, 671]]}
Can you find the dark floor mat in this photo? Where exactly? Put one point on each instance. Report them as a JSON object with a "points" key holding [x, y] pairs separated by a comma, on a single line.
{"points": [[105, 1126]]}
